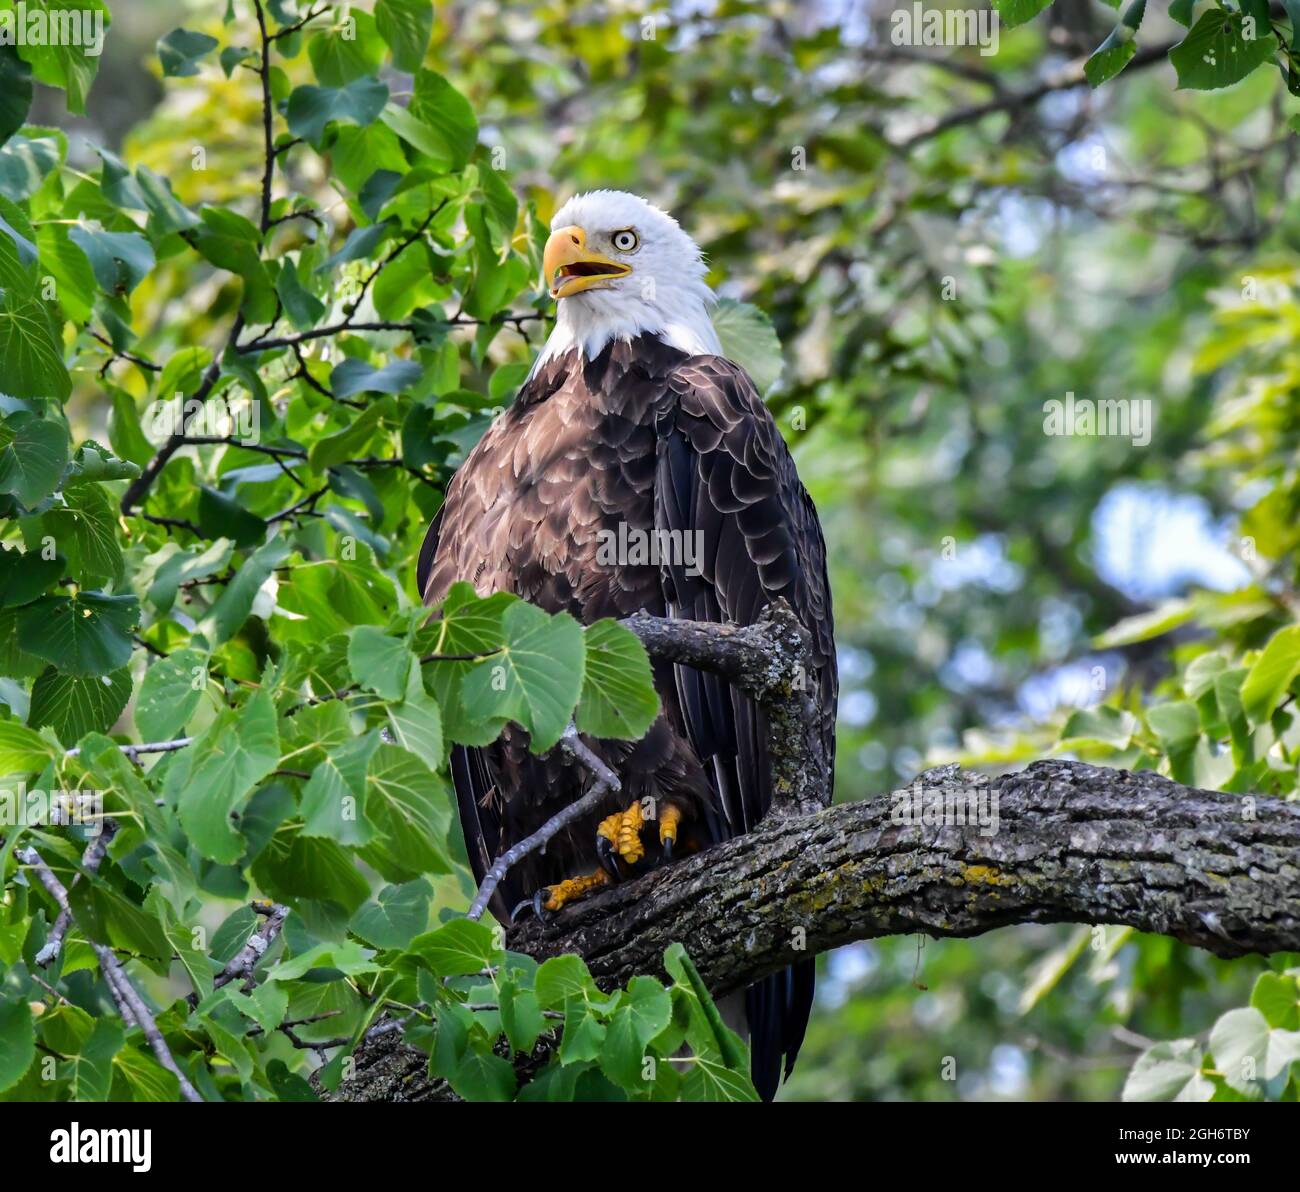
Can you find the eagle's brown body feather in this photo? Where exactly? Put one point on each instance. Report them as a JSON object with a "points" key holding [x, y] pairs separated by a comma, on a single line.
{"points": [[645, 438]]}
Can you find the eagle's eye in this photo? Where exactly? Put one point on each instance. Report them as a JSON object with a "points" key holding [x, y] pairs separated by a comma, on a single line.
{"points": [[625, 241]]}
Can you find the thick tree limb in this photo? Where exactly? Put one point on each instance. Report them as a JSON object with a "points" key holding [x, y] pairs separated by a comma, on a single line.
{"points": [[767, 661], [1073, 843]]}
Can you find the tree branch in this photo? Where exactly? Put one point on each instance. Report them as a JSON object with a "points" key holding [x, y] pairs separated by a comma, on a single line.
{"points": [[1063, 80], [130, 1005], [1068, 843]]}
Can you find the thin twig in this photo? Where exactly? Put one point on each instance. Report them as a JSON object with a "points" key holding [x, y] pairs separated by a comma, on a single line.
{"points": [[90, 860], [242, 964], [129, 1003], [606, 783]]}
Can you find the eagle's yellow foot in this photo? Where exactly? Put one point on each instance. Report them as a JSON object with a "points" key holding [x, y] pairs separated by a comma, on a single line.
{"points": [[552, 898], [670, 815], [619, 838]]}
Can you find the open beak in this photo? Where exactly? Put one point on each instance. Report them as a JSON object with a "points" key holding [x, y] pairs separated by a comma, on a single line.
{"points": [[569, 268]]}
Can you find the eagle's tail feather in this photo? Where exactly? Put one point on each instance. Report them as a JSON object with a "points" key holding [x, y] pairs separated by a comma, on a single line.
{"points": [[777, 1008]]}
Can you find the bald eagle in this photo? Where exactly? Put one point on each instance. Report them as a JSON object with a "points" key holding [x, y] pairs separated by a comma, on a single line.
{"points": [[633, 428]]}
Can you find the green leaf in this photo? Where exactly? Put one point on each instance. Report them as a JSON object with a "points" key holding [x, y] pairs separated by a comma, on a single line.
{"points": [[221, 516], [1169, 1072], [349, 959], [711, 1080], [410, 808], [521, 1015], [649, 1006], [1216, 52], [25, 575], [85, 634], [483, 1076], [397, 917], [1144, 626], [311, 108], [74, 280], [1177, 725], [303, 308], [438, 106], [457, 949], [294, 866], [169, 693], [1247, 1050], [92, 464], [194, 960], [1099, 726], [168, 212], [339, 60], [618, 693], [710, 1033], [183, 372], [85, 529], [1271, 675], [1277, 997], [406, 25], [71, 60], [33, 452], [356, 376], [1109, 58], [24, 163], [622, 1057], [23, 751], [212, 779], [334, 799], [120, 260], [75, 705], [17, 1041], [537, 678], [584, 1034], [31, 350], [180, 50], [147, 1079], [361, 242], [92, 1065], [229, 241], [1017, 12], [231, 610], [562, 979], [416, 722], [1227, 692], [165, 570], [749, 339], [15, 92]]}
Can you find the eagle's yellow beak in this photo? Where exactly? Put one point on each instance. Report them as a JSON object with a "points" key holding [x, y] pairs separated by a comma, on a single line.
{"points": [[570, 268]]}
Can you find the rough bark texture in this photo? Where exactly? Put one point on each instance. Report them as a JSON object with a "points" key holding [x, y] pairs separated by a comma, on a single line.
{"points": [[1074, 843], [767, 661]]}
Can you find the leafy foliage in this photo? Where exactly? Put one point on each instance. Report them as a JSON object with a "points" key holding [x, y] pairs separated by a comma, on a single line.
{"points": [[292, 703]]}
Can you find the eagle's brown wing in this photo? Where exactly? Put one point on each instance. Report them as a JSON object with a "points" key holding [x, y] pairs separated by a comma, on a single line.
{"points": [[725, 475]]}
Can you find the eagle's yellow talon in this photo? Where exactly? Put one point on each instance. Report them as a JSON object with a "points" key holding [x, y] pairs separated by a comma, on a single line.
{"points": [[623, 831], [573, 887], [669, 817]]}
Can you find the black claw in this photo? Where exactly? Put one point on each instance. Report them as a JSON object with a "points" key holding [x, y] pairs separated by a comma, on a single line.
{"points": [[608, 858], [667, 846], [535, 904]]}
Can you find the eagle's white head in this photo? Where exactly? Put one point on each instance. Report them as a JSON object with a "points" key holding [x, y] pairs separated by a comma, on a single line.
{"points": [[618, 268]]}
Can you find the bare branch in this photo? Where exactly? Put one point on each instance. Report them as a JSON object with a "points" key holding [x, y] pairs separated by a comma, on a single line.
{"points": [[242, 964], [90, 860], [606, 782], [129, 1003]]}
